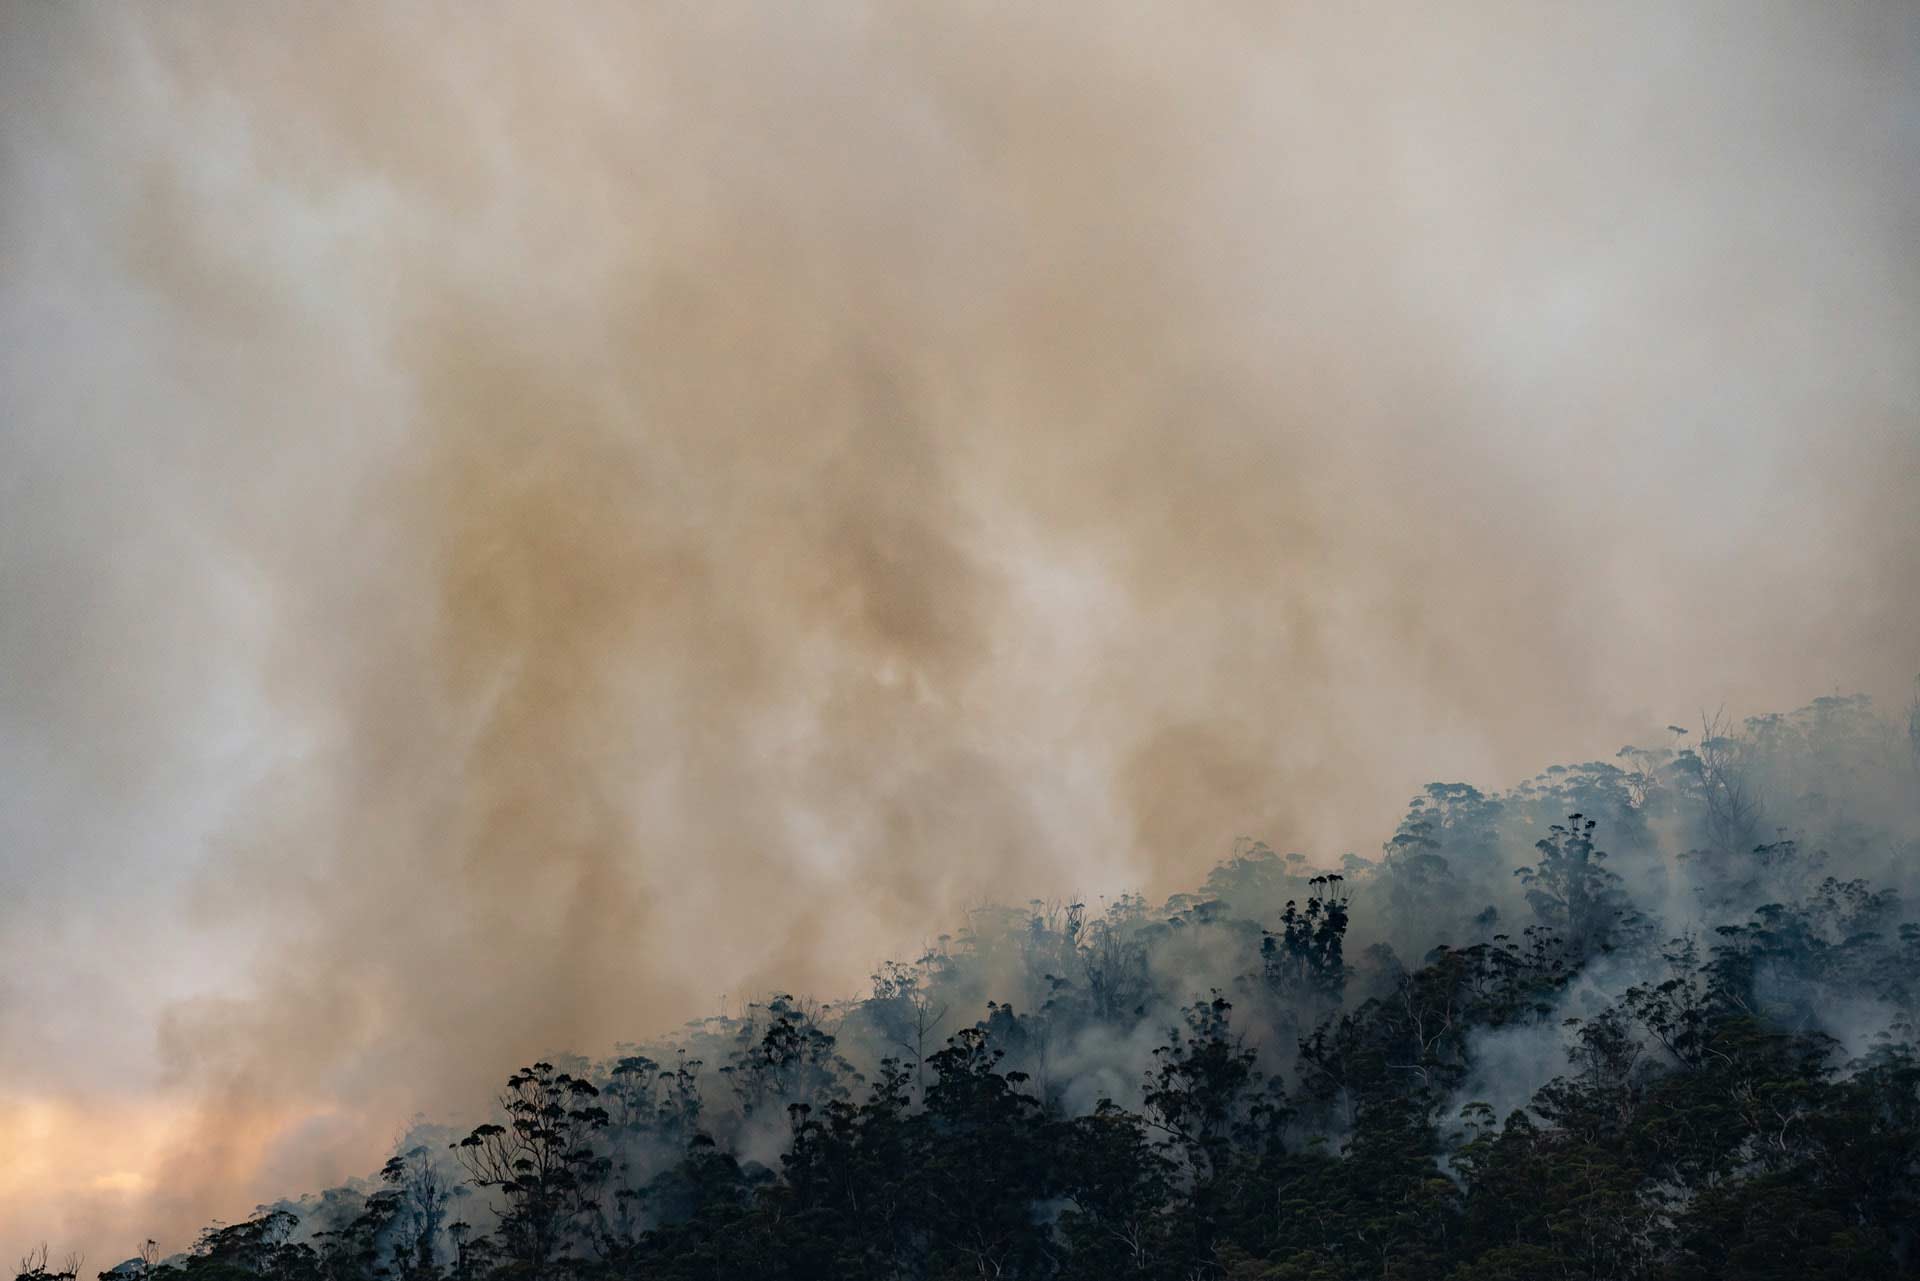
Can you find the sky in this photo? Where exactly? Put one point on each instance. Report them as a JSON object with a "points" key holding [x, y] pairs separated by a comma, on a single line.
{"points": [[523, 525]]}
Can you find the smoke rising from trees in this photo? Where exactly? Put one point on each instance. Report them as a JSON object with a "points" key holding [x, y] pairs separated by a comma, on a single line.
{"points": [[515, 526]]}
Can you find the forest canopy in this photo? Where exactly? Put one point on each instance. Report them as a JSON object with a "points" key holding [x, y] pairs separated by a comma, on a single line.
{"points": [[1646, 1017]]}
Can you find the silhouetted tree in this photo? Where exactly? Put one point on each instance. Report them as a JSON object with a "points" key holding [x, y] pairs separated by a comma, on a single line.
{"points": [[543, 1161], [1572, 893]]}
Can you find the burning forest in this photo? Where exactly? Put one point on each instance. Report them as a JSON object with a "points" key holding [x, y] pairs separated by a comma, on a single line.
{"points": [[756, 640]]}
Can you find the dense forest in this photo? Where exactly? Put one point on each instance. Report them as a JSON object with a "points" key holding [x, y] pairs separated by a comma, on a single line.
{"points": [[1648, 1017]]}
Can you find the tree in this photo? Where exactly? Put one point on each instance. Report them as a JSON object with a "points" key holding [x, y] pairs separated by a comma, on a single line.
{"points": [[912, 1018], [1307, 958], [33, 1266], [1121, 1220], [543, 1160], [983, 1163], [1572, 893], [1728, 787], [420, 1190], [792, 1061]]}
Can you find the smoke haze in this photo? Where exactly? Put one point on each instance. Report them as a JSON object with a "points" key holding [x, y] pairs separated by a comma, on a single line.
{"points": [[519, 524]]}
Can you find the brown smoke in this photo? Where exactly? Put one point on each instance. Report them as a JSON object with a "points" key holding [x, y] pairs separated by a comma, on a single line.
{"points": [[524, 520]]}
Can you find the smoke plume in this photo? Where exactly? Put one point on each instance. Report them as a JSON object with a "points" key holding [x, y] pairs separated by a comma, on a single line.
{"points": [[519, 525]]}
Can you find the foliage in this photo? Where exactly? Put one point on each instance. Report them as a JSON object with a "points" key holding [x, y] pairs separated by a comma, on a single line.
{"points": [[1672, 1112]]}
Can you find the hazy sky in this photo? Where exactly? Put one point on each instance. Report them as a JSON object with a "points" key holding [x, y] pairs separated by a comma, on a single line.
{"points": [[519, 520]]}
